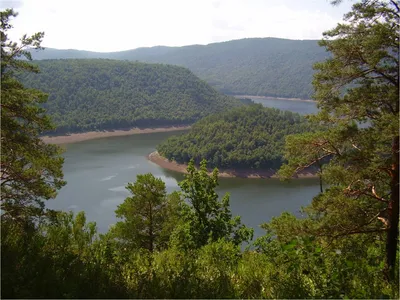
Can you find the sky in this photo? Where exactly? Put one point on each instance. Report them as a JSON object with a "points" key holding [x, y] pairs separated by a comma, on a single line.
{"points": [[116, 25]]}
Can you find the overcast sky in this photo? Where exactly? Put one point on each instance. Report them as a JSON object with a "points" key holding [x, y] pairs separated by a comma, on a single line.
{"points": [[114, 25]]}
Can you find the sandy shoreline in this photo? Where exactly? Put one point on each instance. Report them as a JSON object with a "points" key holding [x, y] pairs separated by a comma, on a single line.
{"points": [[79, 137], [273, 98], [156, 158]]}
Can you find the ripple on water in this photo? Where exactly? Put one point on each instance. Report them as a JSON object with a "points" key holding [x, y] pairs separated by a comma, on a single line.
{"points": [[109, 177], [119, 189], [131, 167], [111, 202]]}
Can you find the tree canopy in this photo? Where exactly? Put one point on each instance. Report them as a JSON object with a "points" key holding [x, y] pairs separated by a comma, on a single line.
{"points": [[147, 216], [64, 256], [99, 94], [249, 137], [206, 219], [359, 84]]}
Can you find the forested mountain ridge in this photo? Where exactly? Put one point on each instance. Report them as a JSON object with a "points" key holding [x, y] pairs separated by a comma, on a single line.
{"points": [[254, 66], [92, 94], [249, 137]]}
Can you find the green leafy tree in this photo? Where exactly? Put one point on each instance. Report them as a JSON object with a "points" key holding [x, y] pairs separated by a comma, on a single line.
{"points": [[358, 84], [207, 219], [303, 264], [148, 215], [31, 171], [57, 258]]}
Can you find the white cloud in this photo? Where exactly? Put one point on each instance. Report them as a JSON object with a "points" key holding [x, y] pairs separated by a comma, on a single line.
{"points": [[126, 24]]}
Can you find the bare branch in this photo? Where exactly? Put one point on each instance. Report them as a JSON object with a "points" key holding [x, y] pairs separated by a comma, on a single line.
{"points": [[396, 5], [300, 168]]}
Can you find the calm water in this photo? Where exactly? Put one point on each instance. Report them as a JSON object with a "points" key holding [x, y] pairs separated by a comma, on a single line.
{"points": [[301, 107], [97, 172]]}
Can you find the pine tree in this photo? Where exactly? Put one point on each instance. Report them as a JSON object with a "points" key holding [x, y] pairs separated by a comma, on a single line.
{"points": [[357, 90], [31, 171]]}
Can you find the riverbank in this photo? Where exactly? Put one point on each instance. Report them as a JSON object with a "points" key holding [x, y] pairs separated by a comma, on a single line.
{"points": [[156, 158], [79, 137], [273, 98]]}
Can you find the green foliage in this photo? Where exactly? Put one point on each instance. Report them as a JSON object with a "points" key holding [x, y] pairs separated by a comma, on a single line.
{"points": [[323, 267], [249, 137], [64, 257], [30, 170], [174, 274], [215, 265], [55, 259], [253, 66], [107, 94], [359, 84], [207, 219], [149, 215]]}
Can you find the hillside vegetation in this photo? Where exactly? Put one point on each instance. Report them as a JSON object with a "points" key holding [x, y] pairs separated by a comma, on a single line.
{"points": [[255, 66], [101, 94], [243, 138]]}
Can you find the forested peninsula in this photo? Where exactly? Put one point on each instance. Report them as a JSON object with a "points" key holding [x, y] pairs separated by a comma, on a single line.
{"points": [[247, 141], [97, 94]]}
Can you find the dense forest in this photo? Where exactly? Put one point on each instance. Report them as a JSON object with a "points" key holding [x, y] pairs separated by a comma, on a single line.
{"points": [[188, 244], [183, 245], [255, 66], [99, 94], [250, 137]]}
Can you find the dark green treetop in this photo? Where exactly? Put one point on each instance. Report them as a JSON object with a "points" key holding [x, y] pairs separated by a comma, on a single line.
{"points": [[358, 94], [207, 218]]}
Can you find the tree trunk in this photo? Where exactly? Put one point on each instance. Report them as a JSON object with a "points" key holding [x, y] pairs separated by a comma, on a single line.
{"points": [[393, 233], [320, 175], [151, 231]]}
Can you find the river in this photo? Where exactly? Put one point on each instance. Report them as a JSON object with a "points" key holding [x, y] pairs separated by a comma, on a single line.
{"points": [[97, 172]]}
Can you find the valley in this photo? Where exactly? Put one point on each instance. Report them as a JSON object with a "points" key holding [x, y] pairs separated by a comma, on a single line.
{"points": [[204, 170], [98, 170]]}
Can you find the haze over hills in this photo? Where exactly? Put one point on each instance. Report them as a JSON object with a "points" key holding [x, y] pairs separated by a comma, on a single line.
{"points": [[92, 94], [255, 66]]}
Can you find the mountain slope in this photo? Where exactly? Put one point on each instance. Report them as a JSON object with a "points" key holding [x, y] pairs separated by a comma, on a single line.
{"points": [[255, 66], [109, 94]]}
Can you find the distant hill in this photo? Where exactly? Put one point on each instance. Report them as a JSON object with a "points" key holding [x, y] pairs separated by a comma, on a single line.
{"points": [[93, 94], [255, 66]]}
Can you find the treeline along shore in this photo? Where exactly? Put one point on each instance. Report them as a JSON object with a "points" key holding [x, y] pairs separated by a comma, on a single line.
{"points": [[163, 162]]}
